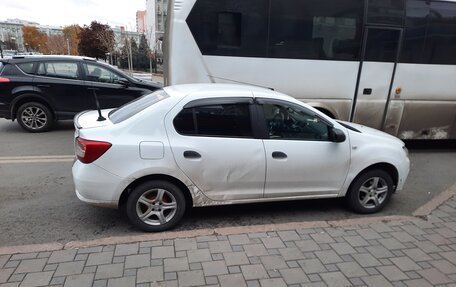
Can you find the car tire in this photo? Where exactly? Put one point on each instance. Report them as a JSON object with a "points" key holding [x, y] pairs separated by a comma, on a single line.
{"points": [[155, 206], [35, 117], [370, 191]]}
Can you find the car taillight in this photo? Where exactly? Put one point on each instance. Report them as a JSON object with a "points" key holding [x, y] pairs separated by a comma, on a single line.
{"points": [[89, 151], [4, 80]]}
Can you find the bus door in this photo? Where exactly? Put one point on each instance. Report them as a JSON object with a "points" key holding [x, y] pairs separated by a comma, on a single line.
{"points": [[379, 59]]}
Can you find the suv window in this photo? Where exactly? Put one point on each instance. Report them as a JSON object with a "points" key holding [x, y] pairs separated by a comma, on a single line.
{"points": [[223, 120], [26, 67], [67, 70], [128, 110], [97, 73], [1, 67], [290, 122]]}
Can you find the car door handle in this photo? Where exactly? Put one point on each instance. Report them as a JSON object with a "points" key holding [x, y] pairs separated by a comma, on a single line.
{"points": [[279, 155], [367, 92], [191, 154], [44, 86]]}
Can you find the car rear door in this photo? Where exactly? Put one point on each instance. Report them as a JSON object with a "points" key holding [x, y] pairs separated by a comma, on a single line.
{"points": [[110, 87], [60, 82], [213, 143], [300, 158]]}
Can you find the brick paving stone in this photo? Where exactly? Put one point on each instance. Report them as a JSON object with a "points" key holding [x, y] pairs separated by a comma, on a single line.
{"points": [[391, 243], [24, 256], [151, 243], [379, 251], [368, 234], [405, 263], [5, 274], [214, 268], [217, 256], [351, 269], [416, 254], [239, 239], [135, 261], [170, 276], [122, 282], [276, 282], [126, 249], [417, 283], [356, 241], [392, 273], [366, 260], [219, 246], [294, 275], [273, 262], [292, 253], [335, 279], [69, 268], [31, 265], [118, 259], [12, 264], [434, 276], [322, 238], [150, 274], [90, 250], [162, 252], [62, 256], [342, 248], [290, 235], [83, 280], [236, 258], [274, 242], [255, 271], [307, 245], [199, 255], [176, 264], [450, 256], [109, 271], [232, 280], [427, 246], [190, 278], [444, 266], [255, 250], [312, 266], [185, 244], [37, 279], [100, 258], [376, 280], [272, 273], [234, 269], [81, 257], [3, 260], [328, 256]]}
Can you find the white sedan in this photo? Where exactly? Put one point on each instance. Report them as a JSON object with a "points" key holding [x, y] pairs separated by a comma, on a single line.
{"points": [[200, 145]]}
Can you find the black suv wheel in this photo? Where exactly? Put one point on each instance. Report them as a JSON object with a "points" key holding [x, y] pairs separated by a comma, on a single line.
{"points": [[35, 117]]}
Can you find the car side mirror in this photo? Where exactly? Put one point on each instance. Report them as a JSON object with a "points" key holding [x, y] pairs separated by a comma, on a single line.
{"points": [[123, 82], [337, 135]]}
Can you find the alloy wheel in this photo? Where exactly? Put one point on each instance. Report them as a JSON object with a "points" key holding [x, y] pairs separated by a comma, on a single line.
{"points": [[373, 192], [34, 118], [156, 207]]}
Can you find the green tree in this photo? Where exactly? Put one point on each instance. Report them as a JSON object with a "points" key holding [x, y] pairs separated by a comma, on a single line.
{"points": [[72, 36], [143, 54], [96, 40]]}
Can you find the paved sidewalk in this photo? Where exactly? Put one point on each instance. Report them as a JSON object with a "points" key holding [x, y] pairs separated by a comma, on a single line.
{"points": [[412, 253]]}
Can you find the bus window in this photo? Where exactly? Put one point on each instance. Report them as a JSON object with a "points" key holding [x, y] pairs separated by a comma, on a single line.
{"points": [[386, 12]]}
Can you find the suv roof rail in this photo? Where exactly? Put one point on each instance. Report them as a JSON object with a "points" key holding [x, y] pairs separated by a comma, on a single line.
{"points": [[89, 59]]}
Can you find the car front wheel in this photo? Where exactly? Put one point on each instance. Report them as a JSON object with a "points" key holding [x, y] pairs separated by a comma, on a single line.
{"points": [[155, 206], [370, 192], [34, 117]]}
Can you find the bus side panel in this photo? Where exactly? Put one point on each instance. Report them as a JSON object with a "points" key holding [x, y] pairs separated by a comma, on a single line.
{"points": [[332, 82], [429, 95]]}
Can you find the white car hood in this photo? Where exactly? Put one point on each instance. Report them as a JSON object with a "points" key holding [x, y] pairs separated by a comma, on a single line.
{"points": [[373, 132]]}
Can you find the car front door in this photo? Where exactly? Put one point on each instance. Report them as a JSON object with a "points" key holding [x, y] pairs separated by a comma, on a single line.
{"points": [[300, 158], [213, 143], [61, 83], [111, 88]]}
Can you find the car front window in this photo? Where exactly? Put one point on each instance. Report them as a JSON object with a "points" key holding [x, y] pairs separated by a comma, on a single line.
{"points": [[289, 122], [96, 73]]}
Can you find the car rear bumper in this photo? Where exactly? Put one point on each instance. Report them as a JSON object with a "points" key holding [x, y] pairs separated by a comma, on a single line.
{"points": [[96, 186]]}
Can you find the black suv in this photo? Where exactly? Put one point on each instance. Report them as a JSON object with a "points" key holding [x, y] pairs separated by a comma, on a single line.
{"points": [[38, 90]]}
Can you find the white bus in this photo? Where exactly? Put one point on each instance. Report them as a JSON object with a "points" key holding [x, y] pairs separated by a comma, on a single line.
{"points": [[388, 64]]}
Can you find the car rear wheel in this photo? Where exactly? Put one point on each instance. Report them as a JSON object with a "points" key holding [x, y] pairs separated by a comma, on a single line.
{"points": [[155, 206], [35, 117], [370, 192]]}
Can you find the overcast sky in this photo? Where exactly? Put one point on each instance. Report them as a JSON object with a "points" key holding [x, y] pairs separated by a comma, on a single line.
{"points": [[66, 12]]}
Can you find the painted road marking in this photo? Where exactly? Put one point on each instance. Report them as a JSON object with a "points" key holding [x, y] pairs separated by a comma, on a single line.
{"points": [[36, 159]]}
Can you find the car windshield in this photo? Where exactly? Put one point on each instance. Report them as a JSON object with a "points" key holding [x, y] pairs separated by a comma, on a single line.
{"points": [[136, 106]]}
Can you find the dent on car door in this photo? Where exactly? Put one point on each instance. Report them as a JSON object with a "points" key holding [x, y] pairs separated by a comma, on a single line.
{"points": [[213, 145], [300, 158]]}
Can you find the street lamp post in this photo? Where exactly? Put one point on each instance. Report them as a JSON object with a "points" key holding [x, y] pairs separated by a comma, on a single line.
{"points": [[68, 45]]}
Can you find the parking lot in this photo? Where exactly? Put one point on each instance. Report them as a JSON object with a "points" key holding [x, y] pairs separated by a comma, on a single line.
{"points": [[39, 205]]}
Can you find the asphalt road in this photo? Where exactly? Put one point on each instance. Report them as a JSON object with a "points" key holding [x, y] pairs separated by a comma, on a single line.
{"points": [[38, 205]]}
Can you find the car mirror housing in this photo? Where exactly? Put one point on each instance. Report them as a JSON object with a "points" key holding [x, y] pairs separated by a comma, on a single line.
{"points": [[123, 82], [337, 135]]}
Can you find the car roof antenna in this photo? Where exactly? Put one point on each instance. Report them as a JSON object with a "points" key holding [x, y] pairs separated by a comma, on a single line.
{"points": [[100, 117]]}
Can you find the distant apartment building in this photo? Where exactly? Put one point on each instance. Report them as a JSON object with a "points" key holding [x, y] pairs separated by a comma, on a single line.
{"points": [[156, 12], [141, 22], [121, 34]]}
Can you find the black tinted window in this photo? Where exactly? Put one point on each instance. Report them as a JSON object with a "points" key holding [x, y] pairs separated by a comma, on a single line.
{"points": [[26, 67], [59, 70], [230, 27], [1, 67], [226, 120], [415, 31], [316, 29], [382, 45], [386, 12], [136, 106], [291, 122]]}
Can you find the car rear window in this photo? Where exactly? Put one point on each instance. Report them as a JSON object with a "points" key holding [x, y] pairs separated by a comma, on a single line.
{"points": [[26, 67], [136, 106]]}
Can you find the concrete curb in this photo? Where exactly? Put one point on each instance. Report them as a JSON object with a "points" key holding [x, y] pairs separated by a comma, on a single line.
{"points": [[420, 214]]}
